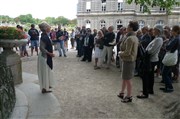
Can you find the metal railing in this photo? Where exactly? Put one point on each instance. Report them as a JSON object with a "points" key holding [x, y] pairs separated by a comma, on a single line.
{"points": [[7, 92]]}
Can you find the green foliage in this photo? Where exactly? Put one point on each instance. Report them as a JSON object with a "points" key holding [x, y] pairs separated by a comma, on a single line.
{"points": [[168, 4], [5, 18], [62, 20], [73, 21], [27, 20], [50, 20]]}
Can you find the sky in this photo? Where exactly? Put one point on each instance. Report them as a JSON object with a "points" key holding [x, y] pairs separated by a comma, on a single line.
{"points": [[39, 8]]}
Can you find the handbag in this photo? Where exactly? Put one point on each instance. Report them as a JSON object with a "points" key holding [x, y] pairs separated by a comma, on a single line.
{"points": [[170, 59]]}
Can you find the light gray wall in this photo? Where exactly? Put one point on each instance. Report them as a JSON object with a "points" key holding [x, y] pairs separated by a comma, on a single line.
{"points": [[130, 12]]}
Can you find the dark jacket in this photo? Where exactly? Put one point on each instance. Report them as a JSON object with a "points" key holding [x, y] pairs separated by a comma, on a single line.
{"points": [[173, 44], [108, 38], [34, 34], [145, 40], [91, 41], [59, 33], [46, 47]]}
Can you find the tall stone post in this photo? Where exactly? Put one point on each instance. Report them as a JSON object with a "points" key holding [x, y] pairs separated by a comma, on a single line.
{"points": [[11, 59]]}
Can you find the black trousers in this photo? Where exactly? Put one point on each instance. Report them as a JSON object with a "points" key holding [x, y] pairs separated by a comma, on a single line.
{"points": [[148, 80], [87, 53]]}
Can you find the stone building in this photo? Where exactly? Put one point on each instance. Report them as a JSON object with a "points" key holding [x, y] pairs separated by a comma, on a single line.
{"points": [[100, 13]]}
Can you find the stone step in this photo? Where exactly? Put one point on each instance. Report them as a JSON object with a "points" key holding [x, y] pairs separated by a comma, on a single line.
{"points": [[40, 105], [21, 107]]}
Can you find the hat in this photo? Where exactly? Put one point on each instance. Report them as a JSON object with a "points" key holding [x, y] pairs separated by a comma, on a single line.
{"points": [[159, 27]]}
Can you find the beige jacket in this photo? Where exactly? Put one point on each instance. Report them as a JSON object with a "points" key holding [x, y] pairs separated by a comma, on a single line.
{"points": [[128, 48]]}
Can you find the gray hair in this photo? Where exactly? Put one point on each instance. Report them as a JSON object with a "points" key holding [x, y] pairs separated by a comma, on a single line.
{"points": [[43, 26]]}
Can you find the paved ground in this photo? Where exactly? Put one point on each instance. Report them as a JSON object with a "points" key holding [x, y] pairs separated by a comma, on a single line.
{"points": [[87, 93]]}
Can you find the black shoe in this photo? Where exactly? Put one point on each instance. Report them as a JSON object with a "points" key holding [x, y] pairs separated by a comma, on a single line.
{"points": [[162, 88], [46, 91], [127, 99], [59, 55], [142, 96], [65, 55], [168, 90], [136, 75], [121, 95], [83, 60]]}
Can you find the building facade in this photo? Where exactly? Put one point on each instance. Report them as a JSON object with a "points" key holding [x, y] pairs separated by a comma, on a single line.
{"points": [[96, 14]]}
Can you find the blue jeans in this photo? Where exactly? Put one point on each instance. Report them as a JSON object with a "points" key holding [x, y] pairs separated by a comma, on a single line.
{"points": [[34, 43], [60, 45], [166, 76]]}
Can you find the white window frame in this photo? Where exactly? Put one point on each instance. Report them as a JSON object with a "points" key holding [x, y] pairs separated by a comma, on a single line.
{"points": [[102, 24], [88, 6], [160, 22], [103, 7], [120, 5], [88, 24], [118, 22], [162, 9], [141, 24], [141, 9]]}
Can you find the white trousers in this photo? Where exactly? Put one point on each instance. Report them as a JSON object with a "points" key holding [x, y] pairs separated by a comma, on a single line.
{"points": [[45, 73]]}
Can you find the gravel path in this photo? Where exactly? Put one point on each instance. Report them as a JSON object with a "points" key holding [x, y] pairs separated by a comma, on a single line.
{"points": [[87, 93]]}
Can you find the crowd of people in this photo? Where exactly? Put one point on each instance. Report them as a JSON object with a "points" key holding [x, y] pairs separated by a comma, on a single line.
{"points": [[58, 37], [140, 52]]}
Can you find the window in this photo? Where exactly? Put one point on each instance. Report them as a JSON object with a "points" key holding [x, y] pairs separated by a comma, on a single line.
{"points": [[141, 8], [141, 24], [120, 5], [102, 23], [88, 24], [103, 1], [103, 8], [119, 24], [103, 5], [160, 22], [162, 9], [88, 6]]}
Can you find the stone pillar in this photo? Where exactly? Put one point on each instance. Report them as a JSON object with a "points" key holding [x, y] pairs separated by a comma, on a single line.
{"points": [[11, 59]]}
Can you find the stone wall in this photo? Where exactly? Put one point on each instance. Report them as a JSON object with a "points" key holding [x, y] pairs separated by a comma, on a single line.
{"points": [[129, 12]]}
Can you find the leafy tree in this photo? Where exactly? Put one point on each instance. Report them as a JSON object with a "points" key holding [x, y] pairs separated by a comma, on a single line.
{"points": [[62, 20], [5, 18], [37, 21], [26, 19], [147, 4], [73, 21], [50, 20], [16, 20]]}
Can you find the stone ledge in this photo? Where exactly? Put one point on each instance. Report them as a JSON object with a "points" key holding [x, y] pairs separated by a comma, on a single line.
{"points": [[21, 107]]}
